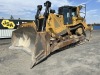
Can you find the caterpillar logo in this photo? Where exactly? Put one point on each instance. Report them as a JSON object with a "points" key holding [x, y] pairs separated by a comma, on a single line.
{"points": [[8, 24]]}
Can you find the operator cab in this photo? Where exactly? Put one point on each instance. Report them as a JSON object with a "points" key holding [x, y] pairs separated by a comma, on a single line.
{"points": [[68, 12]]}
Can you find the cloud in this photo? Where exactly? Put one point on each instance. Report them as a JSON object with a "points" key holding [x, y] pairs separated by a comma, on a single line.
{"points": [[25, 9], [92, 12], [16, 8], [98, 0], [93, 16], [88, 1]]}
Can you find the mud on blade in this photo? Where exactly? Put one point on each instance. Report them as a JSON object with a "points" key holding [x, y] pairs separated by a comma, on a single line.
{"points": [[23, 38]]}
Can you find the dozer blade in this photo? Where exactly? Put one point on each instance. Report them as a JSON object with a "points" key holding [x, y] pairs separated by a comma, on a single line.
{"points": [[35, 43], [23, 38]]}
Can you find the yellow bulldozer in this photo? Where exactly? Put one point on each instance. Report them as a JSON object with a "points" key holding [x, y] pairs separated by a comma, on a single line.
{"points": [[50, 31]]}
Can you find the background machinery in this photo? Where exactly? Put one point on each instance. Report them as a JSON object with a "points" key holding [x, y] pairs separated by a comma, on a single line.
{"points": [[50, 31]]}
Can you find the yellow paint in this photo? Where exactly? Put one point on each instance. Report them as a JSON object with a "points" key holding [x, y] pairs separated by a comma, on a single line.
{"points": [[8, 24], [55, 23]]}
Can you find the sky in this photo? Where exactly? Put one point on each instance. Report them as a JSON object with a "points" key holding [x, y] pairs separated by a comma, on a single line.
{"points": [[26, 9]]}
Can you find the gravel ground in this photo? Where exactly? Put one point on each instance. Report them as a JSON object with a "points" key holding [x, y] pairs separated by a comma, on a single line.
{"points": [[80, 60]]}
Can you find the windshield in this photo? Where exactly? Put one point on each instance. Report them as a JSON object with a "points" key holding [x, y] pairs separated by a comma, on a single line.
{"points": [[68, 13]]}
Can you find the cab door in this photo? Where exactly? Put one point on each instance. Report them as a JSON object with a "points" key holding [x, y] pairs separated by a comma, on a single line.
{"points": [[67, 14]]}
